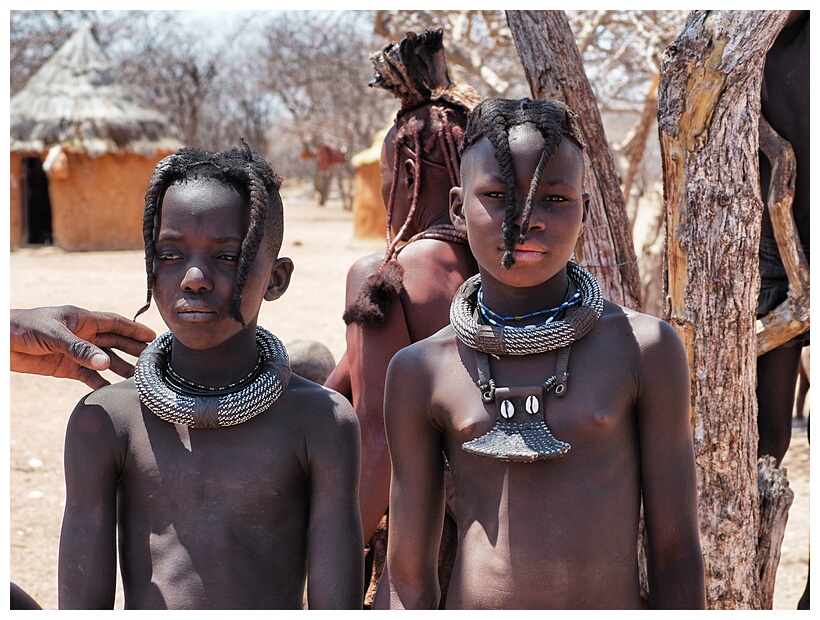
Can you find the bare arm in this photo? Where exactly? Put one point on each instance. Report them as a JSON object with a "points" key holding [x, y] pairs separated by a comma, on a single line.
{"points": [[410, 577], [675, 562], [68, 342], [335, 545], [88, 556], [369, 351]]}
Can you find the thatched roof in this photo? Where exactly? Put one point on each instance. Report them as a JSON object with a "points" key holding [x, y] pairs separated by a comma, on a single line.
{"points": [[76, 100]]}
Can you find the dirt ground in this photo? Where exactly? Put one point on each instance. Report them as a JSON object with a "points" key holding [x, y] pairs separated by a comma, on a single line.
{"points": [[320, 241]]}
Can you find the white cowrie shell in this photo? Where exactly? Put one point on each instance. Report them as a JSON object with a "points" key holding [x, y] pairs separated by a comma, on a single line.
{"points": [[507, 409], [532, 405]]}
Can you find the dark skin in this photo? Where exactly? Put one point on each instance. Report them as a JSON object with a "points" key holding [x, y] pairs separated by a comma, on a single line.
{"points": [[228, 518], [556, 534], [73, 343], [785, 104], [433, 270]]}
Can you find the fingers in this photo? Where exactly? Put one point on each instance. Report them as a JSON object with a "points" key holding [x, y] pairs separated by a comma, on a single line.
{"points": [[120, 366], [116, 325], [55, 365], [117, 341]]}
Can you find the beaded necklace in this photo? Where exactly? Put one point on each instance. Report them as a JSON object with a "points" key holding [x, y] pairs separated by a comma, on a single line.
{"points": [[494, 318], [513, 340]]}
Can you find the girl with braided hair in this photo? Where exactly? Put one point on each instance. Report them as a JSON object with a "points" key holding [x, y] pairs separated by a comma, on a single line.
{"points": [[225, 479], [550, 454], [403, 295]]}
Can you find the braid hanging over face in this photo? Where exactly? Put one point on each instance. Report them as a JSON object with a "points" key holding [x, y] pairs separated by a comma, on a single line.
{"points": [[238, 167], [493, 119]]}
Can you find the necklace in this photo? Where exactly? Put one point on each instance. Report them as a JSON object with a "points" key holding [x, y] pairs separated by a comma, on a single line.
{"points": [[179, 401], [510, 340], [180, 384], [494, 318], [520, 432]]}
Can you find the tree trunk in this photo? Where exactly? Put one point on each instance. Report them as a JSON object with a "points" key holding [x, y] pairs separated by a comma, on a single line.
{"points": [[709, 104], [636, 146], [555, 69]]}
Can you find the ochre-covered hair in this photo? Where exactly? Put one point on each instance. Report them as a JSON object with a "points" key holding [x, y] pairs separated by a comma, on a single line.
{"points": [[238, 167], [429, 129], [492, 119]]}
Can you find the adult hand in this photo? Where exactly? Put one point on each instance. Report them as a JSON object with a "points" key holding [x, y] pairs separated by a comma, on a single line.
{"points": [[73, 343]]}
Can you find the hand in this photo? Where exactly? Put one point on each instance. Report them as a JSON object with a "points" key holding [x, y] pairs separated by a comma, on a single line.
{"points": [[73, 343]]}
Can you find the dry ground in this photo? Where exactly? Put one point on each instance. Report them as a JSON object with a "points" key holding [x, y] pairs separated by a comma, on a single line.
{"points": [[320, 242]]}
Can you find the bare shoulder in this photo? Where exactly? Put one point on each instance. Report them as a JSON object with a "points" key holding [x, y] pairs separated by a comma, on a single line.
{"points": [[645, 330], [116, 402], [423, 359], [105, 419], [317, 409], [362, 269]]}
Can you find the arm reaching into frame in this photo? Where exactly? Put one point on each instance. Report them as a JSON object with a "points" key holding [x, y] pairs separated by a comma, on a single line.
{"points": [[73, 343]]}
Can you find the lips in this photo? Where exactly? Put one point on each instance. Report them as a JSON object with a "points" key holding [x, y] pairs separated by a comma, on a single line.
{"points": [[190, 312]]}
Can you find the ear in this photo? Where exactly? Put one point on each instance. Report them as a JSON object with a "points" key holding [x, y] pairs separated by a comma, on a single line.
{"points": [[457, 209], [586, 199], [279, 278], [409, 172]]}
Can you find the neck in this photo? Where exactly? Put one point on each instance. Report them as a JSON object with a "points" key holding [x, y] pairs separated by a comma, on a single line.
{"points": [[511, 300], [222, 365]]}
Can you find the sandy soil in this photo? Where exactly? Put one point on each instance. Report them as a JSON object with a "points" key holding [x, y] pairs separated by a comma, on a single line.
{"points": [[320, 242]]}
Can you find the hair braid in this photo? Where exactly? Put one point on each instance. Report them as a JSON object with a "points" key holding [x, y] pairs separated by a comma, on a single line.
{"points": [[166, 169]]}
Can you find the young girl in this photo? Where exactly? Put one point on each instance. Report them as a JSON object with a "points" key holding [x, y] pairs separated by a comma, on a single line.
{"points": [[224, 479], [557, 411]]}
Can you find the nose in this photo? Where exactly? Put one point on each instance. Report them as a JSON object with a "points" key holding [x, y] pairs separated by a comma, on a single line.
{"points": [[195, 281], [534, 220]]}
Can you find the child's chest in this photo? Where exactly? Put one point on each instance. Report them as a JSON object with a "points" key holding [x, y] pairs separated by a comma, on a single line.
{"points": [[543, 404], [253, 466]]}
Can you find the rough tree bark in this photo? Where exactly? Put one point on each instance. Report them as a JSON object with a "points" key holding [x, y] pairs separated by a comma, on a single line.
{"points": [[709, 105], [555, 69]]}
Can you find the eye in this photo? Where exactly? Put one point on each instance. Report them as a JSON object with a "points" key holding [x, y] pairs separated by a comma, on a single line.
{"points": [[229, 257], [167, 255], [555, 198]]}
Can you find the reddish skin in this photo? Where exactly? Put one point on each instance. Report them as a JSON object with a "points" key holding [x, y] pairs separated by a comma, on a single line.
{"points": [[226, 518], [65, 342], [555, 534], [433, 270]]}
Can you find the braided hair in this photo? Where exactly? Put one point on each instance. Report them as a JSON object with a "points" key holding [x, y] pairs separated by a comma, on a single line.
{"points": [[238, 167], [429, 128], [493, 119]]}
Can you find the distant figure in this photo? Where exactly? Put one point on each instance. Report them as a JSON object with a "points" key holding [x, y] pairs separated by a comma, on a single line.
{"points": [[557, 411], [223, 480], [328, 157], [403, 295]]}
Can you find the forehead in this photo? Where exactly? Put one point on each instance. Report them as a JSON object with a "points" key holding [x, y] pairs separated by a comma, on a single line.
{"points": [[196, 198], [526, 146]]}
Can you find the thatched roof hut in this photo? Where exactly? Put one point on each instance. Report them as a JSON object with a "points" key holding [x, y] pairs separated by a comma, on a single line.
{"points": [[83, 146]]}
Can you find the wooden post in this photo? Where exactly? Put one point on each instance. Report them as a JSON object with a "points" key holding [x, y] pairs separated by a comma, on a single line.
{"points": [[709, 104]]}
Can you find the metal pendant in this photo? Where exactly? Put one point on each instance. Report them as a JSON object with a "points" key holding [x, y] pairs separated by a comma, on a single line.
{"points": [[520, 432]]}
